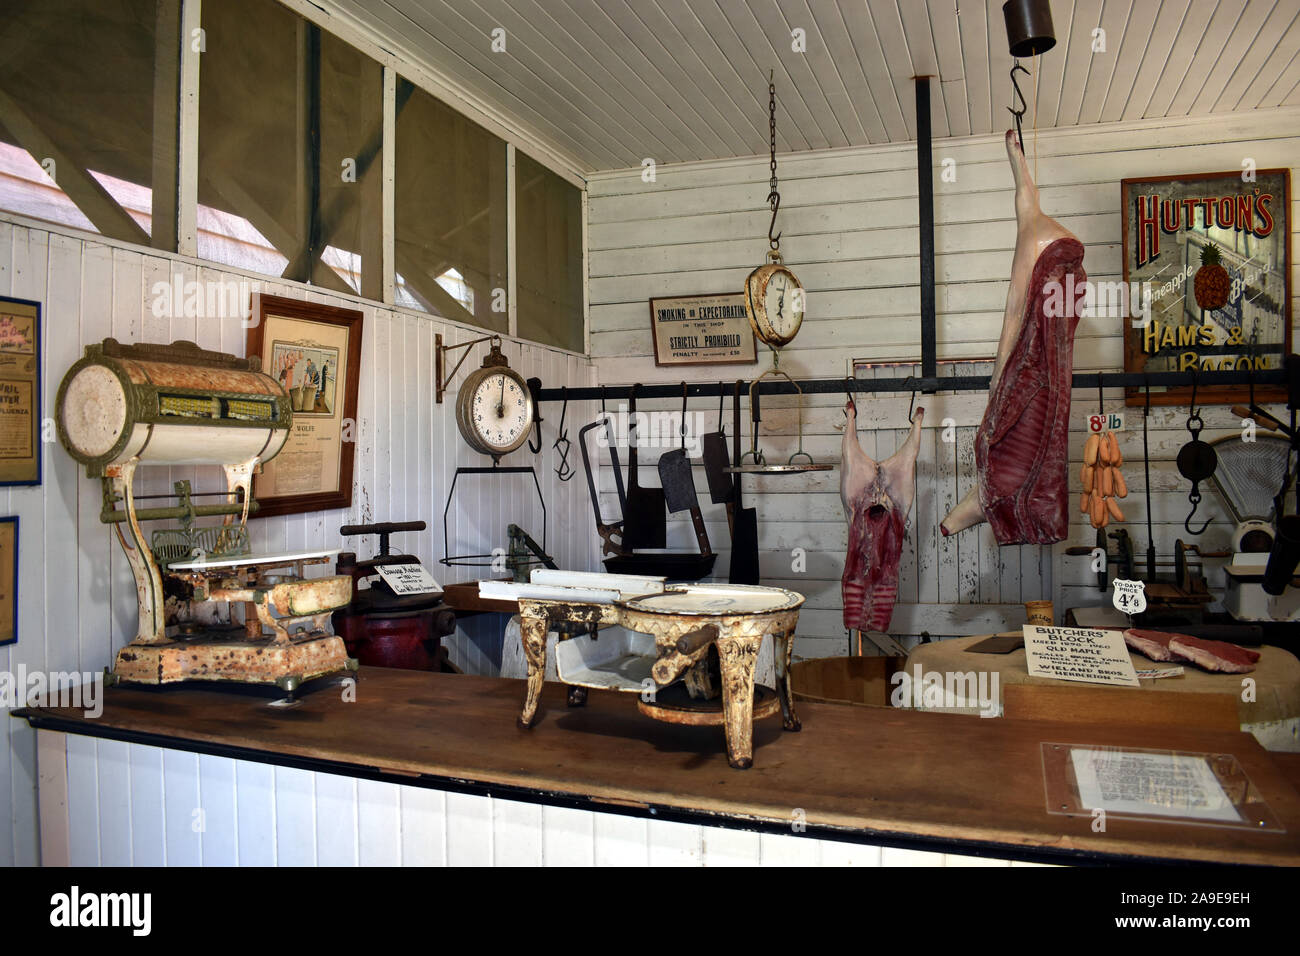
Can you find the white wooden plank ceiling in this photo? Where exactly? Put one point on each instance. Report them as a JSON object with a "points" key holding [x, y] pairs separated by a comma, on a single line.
{"points": [[613, 82]]}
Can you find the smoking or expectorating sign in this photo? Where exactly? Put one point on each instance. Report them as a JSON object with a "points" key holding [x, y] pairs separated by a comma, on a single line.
{"points": [[702, 330]]}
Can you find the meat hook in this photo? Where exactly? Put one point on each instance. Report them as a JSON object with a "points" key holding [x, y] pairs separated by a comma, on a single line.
{"points": [[534, 384], [911, 406], [1195, 499], [1024, 106], [564, 471]]}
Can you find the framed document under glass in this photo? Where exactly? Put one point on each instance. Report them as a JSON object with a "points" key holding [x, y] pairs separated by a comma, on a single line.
{"points": [[314, 351], [1159, 786], [8, 580], [20, 392]]}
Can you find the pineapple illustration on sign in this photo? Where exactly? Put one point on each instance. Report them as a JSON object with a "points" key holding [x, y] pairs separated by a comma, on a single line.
{"points": [[1211, 283]]}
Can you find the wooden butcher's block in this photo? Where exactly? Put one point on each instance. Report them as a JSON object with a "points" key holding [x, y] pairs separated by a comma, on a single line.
{"points": [[1273, 717]]}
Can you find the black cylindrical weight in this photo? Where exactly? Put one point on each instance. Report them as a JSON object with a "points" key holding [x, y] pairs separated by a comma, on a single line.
{"points": [[1029, 27]]}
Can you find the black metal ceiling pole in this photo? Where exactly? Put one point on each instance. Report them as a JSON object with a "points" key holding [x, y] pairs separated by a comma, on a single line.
{"points": [[925, 204]]}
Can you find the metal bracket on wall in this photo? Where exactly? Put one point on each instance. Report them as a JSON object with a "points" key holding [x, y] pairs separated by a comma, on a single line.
{"points": [[442, 376]]}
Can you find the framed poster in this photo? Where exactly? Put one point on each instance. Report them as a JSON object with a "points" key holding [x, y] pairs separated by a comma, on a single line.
{"points": [[702, 330], [314, 351], [8, 580], [1214, 251], [20, 392]]}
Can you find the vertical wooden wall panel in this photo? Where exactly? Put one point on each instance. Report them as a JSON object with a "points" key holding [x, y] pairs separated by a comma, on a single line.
{"points": [[424, 827], [518, 833], [148, 833], [219, 803], [83, 801], [295, 817], [336, 820], [379, 829], [181, 808], [114, 793], [256, 813], [29, 280], [469, 830], [720, 847], [569, 837]]}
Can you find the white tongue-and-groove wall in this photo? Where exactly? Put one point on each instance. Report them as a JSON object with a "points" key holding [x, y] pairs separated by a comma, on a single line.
{"points": [[849, 231], [76, 596]]}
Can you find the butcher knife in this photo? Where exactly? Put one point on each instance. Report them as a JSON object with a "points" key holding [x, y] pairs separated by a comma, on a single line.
{"points": [[644, 518], [679, 486]]}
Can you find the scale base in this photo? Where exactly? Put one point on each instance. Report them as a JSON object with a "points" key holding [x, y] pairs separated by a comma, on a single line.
{"points": [[673, 705], [287, 665]]}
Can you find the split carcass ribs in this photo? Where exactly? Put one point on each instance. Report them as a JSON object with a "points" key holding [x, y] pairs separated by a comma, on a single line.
{"points": [[877, 497], [1021, 444]]}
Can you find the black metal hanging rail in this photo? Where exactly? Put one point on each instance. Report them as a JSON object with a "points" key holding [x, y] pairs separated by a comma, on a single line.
{"points": [[906, 383]]}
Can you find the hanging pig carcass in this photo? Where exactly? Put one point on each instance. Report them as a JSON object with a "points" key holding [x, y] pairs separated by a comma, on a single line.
{"points": [[1021, 444]]}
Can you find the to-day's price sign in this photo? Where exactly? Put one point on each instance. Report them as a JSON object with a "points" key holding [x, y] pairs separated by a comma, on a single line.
{"points": [[1129, 597], [408, 578], [1110, 422]]}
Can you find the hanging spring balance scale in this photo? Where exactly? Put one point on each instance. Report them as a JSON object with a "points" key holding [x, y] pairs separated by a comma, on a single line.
{"points": [[1197, 461], [774, 302]]}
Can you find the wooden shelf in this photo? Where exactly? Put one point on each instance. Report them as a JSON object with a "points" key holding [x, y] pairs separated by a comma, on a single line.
{"points": [[875, 775]]}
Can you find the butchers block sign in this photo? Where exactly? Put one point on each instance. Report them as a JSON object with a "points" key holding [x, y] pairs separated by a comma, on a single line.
{"points": [[1079, 654], [702, 330], [1213, 253]]}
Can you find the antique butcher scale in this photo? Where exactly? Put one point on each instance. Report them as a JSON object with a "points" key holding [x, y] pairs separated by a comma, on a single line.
{"points": [[124, 406]]}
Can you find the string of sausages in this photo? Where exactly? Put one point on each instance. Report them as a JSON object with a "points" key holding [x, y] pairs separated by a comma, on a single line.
{"points": [[1102, 480]]}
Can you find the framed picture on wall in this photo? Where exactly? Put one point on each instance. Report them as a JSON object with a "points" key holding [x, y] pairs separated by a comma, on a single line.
{"points": [[314, 351], [1214, 252], [8, 580], [702, 330], [20, 392]]}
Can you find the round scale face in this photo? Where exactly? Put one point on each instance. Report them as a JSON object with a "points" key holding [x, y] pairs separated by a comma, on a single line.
{"points": [[94, 411], [500, 412], [784, 302], [774, 300]]}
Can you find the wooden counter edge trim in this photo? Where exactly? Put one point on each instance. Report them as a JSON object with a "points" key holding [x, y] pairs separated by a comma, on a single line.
{"points": [[647, 811]]}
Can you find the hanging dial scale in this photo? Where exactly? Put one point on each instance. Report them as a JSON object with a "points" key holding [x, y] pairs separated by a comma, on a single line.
{"points": [[494, 409], [774, 301], [774, 298]]}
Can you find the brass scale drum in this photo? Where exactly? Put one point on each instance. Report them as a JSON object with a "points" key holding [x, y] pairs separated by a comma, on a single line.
{"points": [[123, 406]]}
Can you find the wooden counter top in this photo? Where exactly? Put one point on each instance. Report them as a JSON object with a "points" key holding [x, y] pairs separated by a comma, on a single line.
{"points": [[904, 778]]}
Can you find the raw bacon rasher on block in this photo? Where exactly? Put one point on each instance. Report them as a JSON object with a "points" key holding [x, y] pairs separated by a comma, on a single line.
{"points": [[1021, 443]]}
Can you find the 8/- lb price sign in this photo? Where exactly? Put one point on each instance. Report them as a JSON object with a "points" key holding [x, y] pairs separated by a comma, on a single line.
{"points": [[1109, 422]]}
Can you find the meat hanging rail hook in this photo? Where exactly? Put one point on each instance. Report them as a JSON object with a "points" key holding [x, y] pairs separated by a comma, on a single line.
{"points": [[911, 406], [1024, 105], [564, 471]]}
